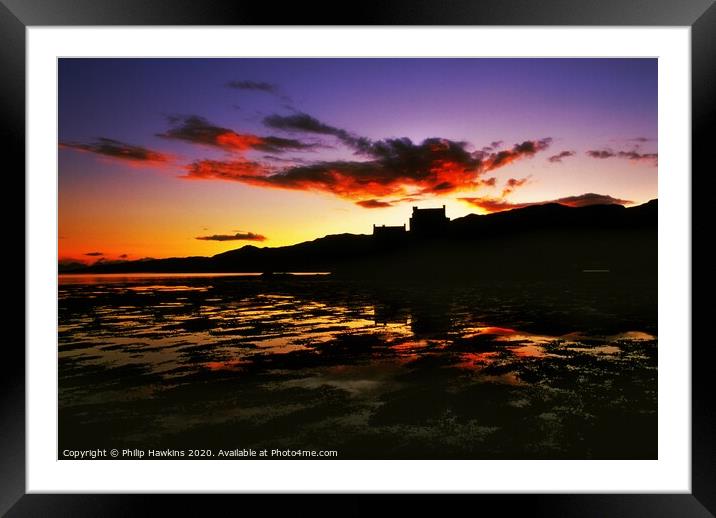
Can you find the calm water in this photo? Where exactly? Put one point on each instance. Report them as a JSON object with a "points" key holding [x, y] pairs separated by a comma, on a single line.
{"points": [[480, 370]]}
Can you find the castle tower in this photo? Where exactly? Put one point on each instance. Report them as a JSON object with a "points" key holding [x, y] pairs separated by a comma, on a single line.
{"points": [[429, 222]]}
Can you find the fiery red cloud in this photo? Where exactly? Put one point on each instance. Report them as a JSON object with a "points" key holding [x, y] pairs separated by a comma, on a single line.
{"points": [[235, 170], [498, 204], [393, 170], [398, 167], [232, 140]]}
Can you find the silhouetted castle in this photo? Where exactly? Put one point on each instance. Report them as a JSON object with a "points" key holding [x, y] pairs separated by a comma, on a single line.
{"points": [[423, 223], [429, 222], [391, 234]]}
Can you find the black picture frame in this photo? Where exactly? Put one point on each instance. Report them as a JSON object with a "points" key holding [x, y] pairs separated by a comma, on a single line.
{"points": [[700, 15]]}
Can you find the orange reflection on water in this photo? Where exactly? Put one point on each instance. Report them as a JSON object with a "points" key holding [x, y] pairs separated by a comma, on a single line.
{"points": [[229, 365], [603, 349], [412, 345], [150, 288], [475, 360], [632, 335], [528, 351], [472, 332], [506, 334]]}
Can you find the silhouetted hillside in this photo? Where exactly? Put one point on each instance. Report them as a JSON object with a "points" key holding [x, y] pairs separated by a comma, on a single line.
{"points": [[540, 240], [319, 255], [554, 216]]}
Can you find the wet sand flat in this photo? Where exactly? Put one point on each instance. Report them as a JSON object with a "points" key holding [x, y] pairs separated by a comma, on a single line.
{"points": [[480, 370]]}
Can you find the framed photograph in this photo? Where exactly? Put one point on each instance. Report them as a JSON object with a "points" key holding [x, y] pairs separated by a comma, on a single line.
{"points": [[420, 250]]}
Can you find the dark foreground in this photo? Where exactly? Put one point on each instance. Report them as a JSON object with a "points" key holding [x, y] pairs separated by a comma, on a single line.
{"points": [[488, 370]]}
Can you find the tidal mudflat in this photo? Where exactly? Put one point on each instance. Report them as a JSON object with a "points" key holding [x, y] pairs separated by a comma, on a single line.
{"points": [[481, 370]]}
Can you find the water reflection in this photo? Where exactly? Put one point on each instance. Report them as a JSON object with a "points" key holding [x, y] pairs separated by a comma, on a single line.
{"points": [[482, 370]]}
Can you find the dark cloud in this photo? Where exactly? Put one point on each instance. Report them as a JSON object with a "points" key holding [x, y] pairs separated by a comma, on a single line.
{"points": [[634, 155], [498, 204], [239, 236], [398, 167], [525, 149], [302, 122], [559, 156], [640, 140], [512, 184], [120, 150], [374, 204], [123, 256], [198, 130], [258, 86], [601, 153], [94, 254], [494, 146], [400, 147]]}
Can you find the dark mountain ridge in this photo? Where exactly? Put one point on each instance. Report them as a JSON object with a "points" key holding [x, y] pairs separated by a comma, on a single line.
{"points": [[539, 240]]}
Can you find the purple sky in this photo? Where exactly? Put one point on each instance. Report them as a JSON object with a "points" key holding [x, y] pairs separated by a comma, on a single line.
{"points": [[568, 106]]}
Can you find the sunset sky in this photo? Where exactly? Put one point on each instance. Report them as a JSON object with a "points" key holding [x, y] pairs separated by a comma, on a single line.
{"points": [[180, 157]]}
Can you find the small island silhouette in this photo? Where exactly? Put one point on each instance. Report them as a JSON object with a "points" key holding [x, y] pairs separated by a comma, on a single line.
{"points": [[536, 241]]}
